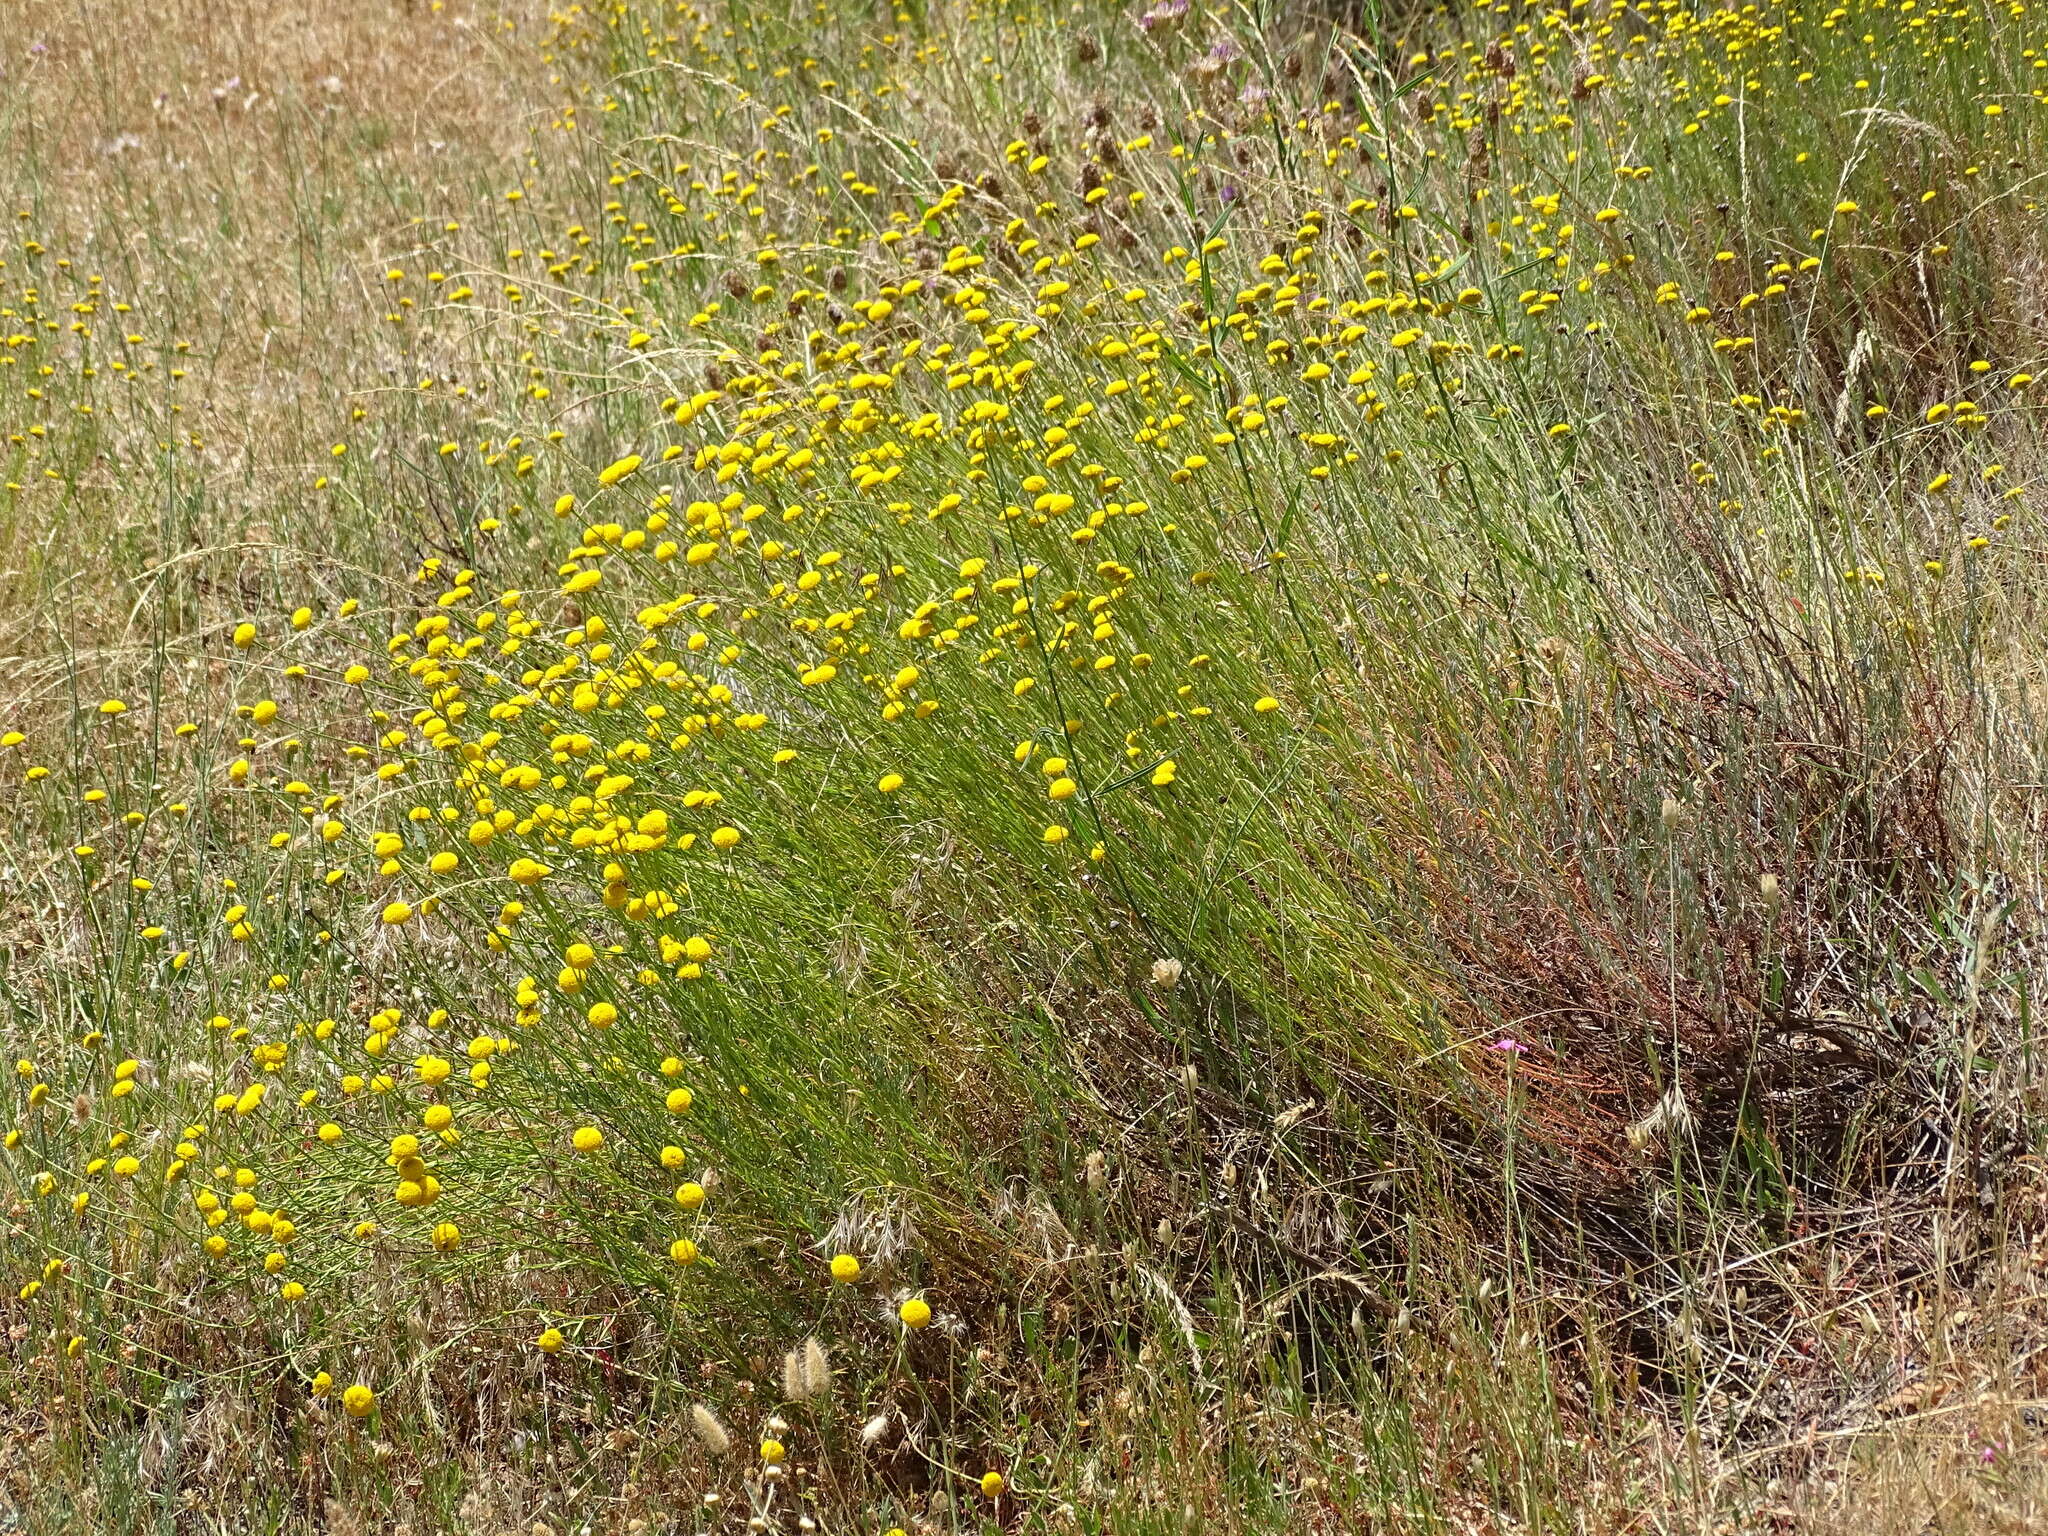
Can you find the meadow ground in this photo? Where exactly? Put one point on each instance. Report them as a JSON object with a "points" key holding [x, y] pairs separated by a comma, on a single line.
{"points": [[1014, 766]]}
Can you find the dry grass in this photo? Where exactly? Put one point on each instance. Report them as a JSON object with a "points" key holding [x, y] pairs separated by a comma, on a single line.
{"points": [[259, 161], [250, 169]]}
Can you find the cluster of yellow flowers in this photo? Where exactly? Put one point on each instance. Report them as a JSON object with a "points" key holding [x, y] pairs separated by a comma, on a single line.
{"points": [[1024, 512]]}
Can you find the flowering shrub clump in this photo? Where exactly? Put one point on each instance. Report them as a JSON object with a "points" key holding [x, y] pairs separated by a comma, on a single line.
{"points": [[1039, 623]]}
